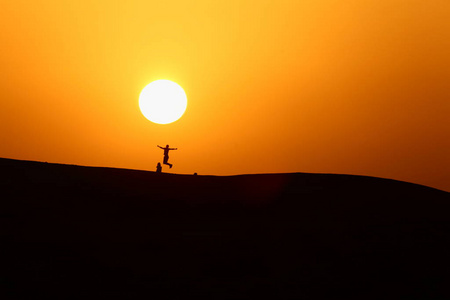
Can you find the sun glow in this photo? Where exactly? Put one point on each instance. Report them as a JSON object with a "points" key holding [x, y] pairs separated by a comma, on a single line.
{"points": [[163, 101]]}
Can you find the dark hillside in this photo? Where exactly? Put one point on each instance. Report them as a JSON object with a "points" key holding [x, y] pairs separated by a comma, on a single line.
{"points": [[83, 232]]}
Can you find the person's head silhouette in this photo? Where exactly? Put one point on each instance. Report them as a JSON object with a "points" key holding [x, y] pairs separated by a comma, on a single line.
{"points": [[167, 146]]}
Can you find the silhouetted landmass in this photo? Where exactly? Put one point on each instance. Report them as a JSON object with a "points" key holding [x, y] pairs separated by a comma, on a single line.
{"points": [[72, 232]]}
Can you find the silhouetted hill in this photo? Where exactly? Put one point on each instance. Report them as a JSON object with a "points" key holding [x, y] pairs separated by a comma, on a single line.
{"points": [[83, 232]]}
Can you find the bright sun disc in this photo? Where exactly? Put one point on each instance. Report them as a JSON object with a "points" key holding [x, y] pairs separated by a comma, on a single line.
{"points": [[163, 101]]}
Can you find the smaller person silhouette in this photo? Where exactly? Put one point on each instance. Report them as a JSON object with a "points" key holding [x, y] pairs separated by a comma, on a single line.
{"points": [[158, 168], [166, 154]]}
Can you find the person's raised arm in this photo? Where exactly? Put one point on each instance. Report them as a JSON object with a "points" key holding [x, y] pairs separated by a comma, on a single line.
{"points": [[173, 148], [160, 147]]}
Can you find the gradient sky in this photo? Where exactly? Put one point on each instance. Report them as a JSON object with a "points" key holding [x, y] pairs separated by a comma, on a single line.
{"points": [[354, 87]]}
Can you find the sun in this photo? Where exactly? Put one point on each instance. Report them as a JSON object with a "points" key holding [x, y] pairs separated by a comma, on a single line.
{"points": [[163, 101]]}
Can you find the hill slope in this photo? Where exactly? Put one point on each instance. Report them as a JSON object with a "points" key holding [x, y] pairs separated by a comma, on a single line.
{"points": [[84, 232]]}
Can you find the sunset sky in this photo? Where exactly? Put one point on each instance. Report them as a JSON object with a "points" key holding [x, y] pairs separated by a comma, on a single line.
{"points": [[351, 87]]}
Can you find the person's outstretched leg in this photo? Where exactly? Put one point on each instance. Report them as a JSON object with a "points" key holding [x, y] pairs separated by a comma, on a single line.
{"points": [[170, 165]]}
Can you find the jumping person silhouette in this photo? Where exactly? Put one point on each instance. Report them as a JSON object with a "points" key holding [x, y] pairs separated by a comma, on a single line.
{"points": [[166, 154]]}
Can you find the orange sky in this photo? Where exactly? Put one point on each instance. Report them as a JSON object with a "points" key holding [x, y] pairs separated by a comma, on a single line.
{"points": [[354, 87]]}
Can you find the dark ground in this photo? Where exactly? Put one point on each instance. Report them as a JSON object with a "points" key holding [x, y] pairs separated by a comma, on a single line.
{"points": [[72, 232]]}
